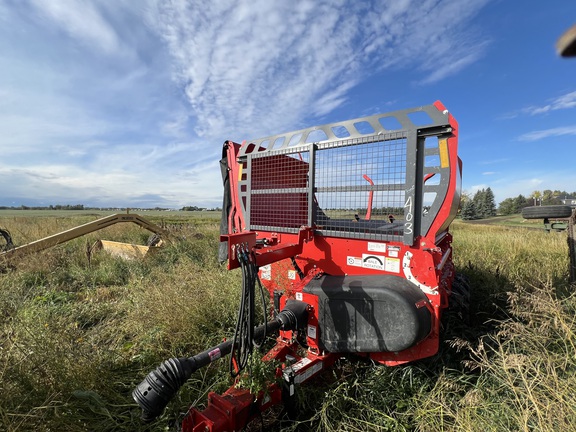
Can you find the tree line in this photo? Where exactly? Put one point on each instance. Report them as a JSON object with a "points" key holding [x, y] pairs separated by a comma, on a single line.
{"points": [[74, 207], [482, 204], [546, 197], [49, 207]]}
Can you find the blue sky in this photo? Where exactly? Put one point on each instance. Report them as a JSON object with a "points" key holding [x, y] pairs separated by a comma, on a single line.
{"points": [[127, 103]]}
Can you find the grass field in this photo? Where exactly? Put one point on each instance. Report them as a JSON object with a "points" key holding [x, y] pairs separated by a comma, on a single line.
{"points": [[76, 336], [158, 215]]}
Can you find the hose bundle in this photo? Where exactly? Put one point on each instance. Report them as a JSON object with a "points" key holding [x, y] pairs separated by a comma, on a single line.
{"points": [[244, 340]]}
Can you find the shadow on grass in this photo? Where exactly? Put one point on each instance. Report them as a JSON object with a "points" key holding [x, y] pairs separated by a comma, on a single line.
{"points": [[360, 395]]}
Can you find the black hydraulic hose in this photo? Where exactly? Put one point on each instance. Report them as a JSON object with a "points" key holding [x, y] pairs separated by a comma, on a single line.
{"points": [[297, 268], [6, 234], [244, 333], [162, 384], [265, 313]]}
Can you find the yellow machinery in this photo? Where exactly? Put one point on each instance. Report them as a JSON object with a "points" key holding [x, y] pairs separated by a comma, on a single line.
{"points": [[120, 249]]}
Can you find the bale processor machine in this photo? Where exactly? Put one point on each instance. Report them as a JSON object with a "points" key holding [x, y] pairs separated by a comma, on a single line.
{"points": [[346, 225]]}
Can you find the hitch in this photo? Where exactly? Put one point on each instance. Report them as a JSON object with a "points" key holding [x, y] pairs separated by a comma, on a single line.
{"points": [[161, 385]]}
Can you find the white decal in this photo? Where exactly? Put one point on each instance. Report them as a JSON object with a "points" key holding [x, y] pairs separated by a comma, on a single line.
{"points": [[393, 251], [392, 265], [408, 273], [376, 262], [266, 272], [312, 331], [376, 247], [292, 274], [312, 370], [354, 261], [300, 364], [215, 354], [299, 296], [409, 216]]}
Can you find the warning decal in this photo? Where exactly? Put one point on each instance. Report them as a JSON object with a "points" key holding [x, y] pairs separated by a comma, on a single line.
{"points": [[393, 265], [376, 262], [354, 261], [266, 272], [376, 247], [393, 251]]}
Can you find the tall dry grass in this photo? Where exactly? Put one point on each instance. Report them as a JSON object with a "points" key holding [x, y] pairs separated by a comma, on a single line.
{"points": [[77, 336], [512, 369]]}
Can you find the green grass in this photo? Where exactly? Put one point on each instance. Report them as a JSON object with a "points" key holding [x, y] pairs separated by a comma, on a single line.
{"points": [[76, 337]]}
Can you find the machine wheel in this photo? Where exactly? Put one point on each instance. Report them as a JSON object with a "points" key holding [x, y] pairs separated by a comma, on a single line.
{"points": [[543, 212], [9, 245], [154, 240], [459, 302]]}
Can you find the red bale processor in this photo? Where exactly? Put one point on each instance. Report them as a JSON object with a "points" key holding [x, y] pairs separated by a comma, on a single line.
{"points": [[346, 227]]}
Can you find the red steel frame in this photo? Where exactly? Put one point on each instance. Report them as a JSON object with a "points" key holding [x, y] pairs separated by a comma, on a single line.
{"points": [[427, 263]]}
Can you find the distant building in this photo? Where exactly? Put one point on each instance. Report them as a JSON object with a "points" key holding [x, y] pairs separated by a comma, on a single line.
{"points": [[568, 201]]}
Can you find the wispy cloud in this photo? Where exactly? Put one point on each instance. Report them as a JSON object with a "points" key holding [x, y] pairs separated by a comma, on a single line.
{"points": [[547, 133], [259, 67], [494, 161], [562, 102], [81, 19]]}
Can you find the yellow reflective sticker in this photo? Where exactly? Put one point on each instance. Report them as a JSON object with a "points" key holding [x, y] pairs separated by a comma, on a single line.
{"points": [[240, 173], [443, 147]]}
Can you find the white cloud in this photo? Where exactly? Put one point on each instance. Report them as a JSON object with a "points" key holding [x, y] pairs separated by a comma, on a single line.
{"points": [[259, 67], [475, 188], [81, 19], [547, 133], [122, 182], [493, 161], [468, 55], [516, 183], [562, 102]]}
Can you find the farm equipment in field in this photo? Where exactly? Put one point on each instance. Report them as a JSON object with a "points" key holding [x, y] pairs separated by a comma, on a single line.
{"points": [[308, 214], [10, 252], [558, 218]]}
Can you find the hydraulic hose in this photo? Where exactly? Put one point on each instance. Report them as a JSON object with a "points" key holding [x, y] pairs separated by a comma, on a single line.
{"points": [[159, 387]]}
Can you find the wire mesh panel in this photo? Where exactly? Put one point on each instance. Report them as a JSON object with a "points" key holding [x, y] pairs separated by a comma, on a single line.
{"points": [[279, 190], [360, 188]]}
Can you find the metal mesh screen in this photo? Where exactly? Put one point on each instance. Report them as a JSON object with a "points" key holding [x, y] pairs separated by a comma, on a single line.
{"points": [[279, 190], [359, 186]]}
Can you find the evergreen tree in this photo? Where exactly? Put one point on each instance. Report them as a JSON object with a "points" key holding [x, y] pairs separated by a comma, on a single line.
{"points": [[489, 204], [480, 203], [484, 202], [469, 211], [520, 202]]}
